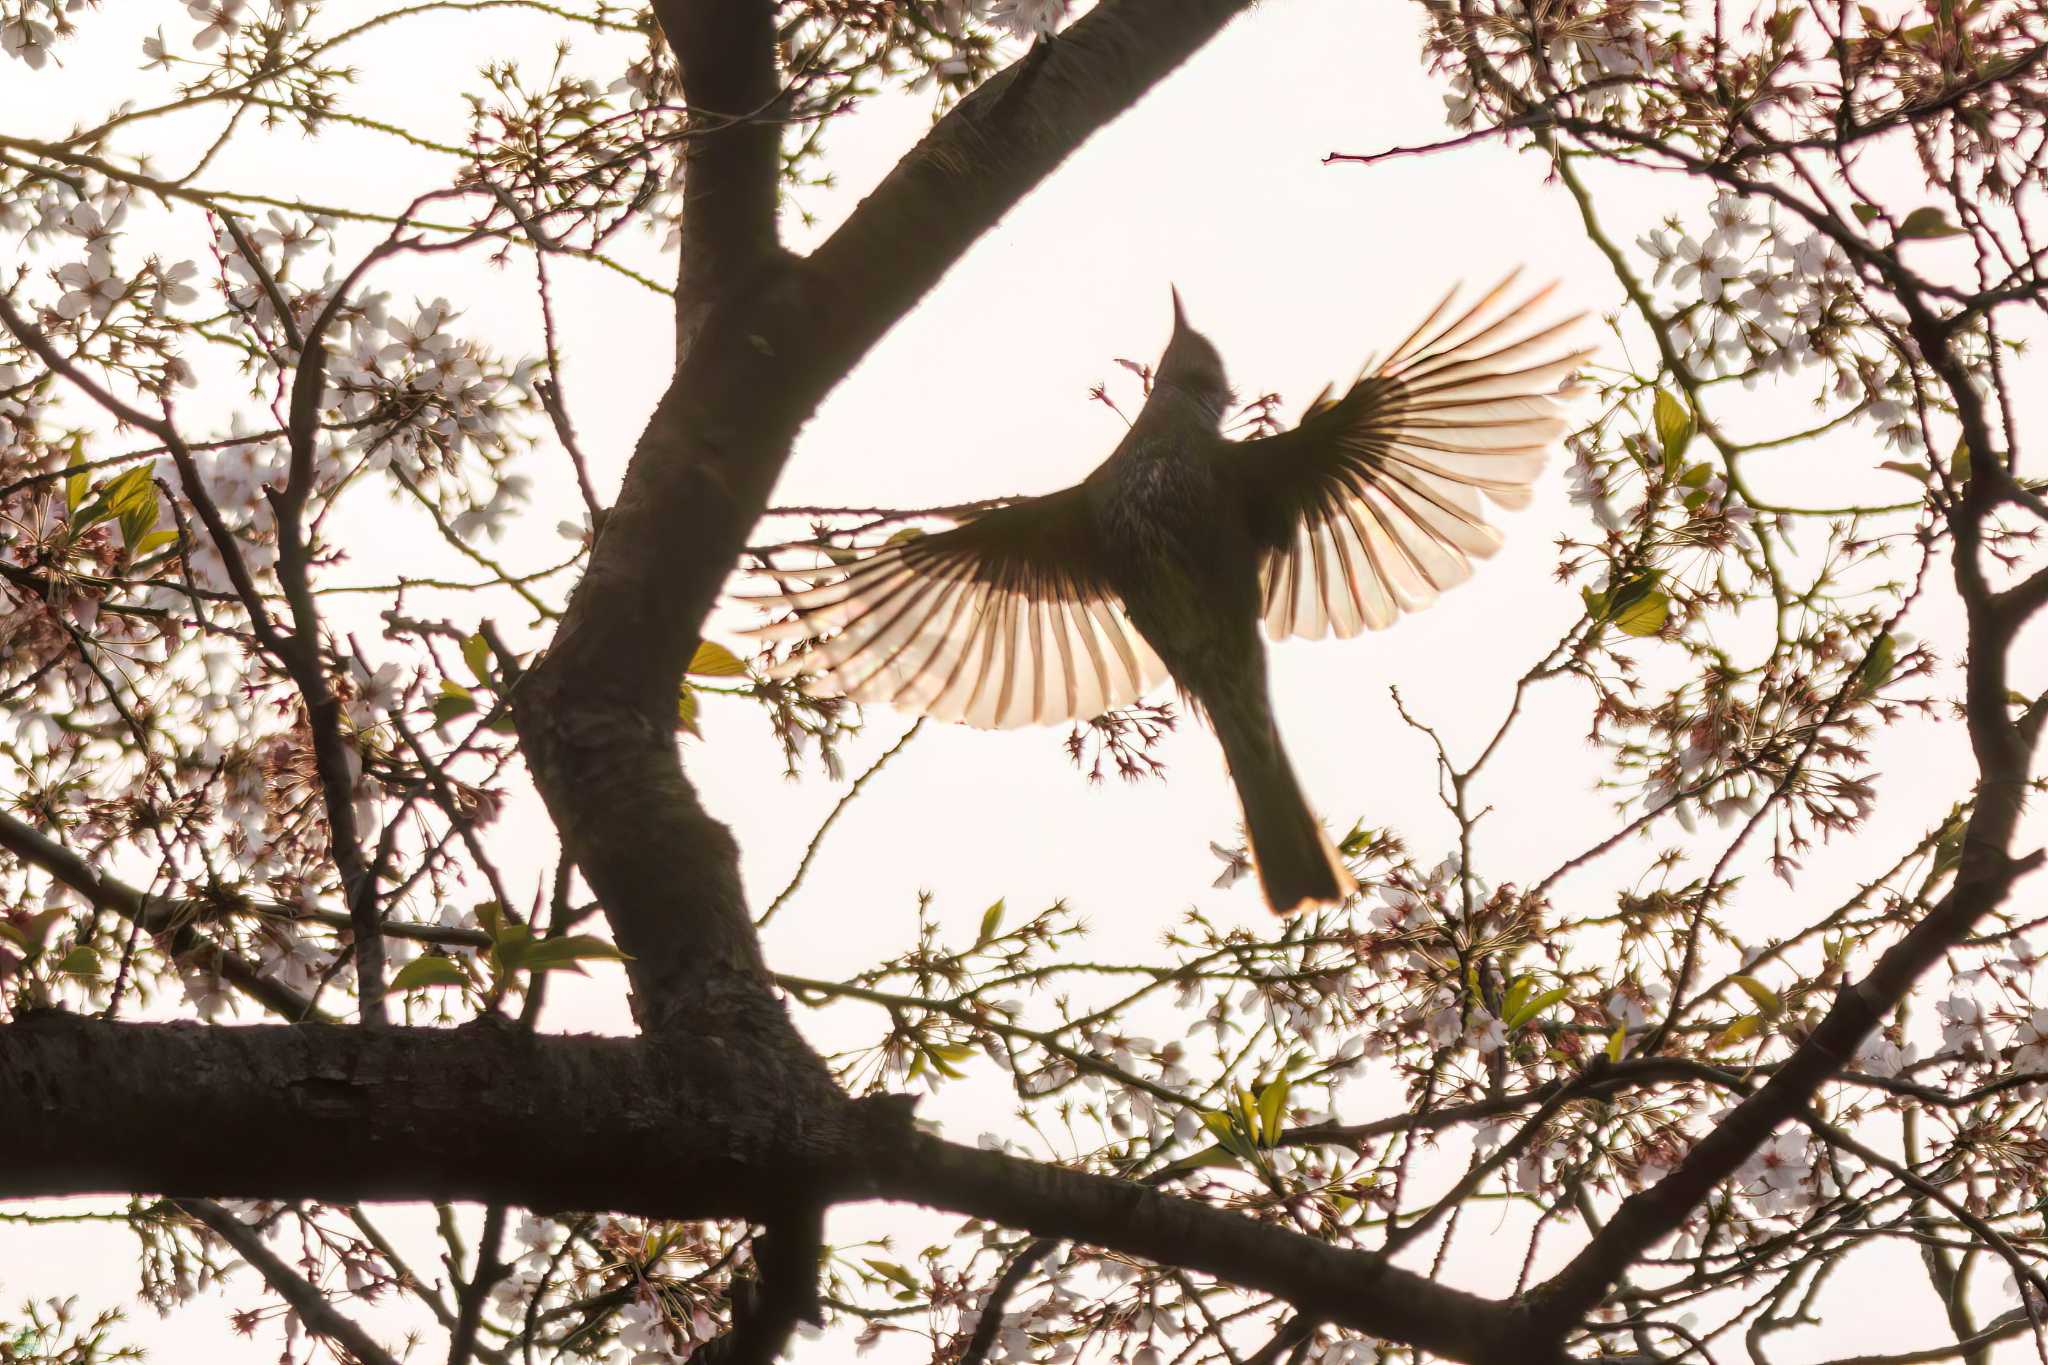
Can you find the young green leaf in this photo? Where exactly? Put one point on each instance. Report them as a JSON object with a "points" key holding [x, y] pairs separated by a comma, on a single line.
{"points": [[1675, 426], [1519, 990], [80, 961], [1646, 615], [1766, 999], [566, 952], [1927, 221], [1272, 1109], [1212, 1155], [455, 700], [431, 970], [1534, 1006], [991, 920], [75, 484], [1741, 1029], [890, 1270], [713, 660], [476, 652]]}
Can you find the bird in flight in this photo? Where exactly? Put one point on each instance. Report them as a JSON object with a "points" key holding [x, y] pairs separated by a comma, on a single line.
{"points": [[1166, 560]]}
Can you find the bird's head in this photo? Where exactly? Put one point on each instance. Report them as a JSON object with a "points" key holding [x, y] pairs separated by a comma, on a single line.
{"points": [[1192, 367]]}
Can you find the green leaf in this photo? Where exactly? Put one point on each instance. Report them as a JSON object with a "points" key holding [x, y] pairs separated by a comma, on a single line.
{"points": [[1766, 999], [943, 1056], [1948, 846], [714, 660], [686, 711], [476, 652], [155, 540], [1912, 469], [431, 970], [455, 700], [1519, 990], [1610, 605], [75, 484], [1865, 213], [1741, 1029], [509, 943], [1675, 425], [80, 961], [1212, 1155], [491, 916], [132, 498], [1876, 668], [1616, 1041], [991, 920], [1530, 1009], [1228, 1132], [557, 954], [1272, 1108], [890, 1270], [1927, 221], [1646, 615]]}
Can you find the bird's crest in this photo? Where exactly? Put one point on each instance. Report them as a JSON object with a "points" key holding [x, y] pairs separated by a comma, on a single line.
{"points": [[1192, 364]]}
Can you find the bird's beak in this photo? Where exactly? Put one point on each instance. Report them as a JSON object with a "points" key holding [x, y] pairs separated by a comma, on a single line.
{"points": [[1180, 318]]}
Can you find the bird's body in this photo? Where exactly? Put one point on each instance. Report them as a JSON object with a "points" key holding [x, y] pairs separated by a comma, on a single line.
{"points": [[1166, 559], [1178, 549]]}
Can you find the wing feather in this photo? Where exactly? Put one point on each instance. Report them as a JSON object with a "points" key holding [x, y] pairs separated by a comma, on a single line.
{"points": [[1004, 620], [1376, 503]]}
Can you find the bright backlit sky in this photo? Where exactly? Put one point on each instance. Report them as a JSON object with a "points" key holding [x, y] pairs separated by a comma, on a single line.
{"points": [[1297, 270]]}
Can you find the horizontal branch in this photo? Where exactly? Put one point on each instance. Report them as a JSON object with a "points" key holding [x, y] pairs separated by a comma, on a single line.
{"points": [[343, 1115], [489, 1114]]}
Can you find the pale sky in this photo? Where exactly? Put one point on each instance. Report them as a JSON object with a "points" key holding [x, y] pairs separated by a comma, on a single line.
{"points": [[1296, 270]]}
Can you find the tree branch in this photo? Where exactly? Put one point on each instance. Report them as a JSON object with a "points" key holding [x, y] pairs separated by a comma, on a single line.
{"points": [[1355, 1289], [1987, 872], [596, 715], [732, 160], [346, 1115], [156, 917], [987, 153], [321, 1318]]}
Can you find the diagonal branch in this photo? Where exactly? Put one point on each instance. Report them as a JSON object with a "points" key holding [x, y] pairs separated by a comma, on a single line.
{"points": [[992, 149], [1987, 872], [1355, 1289], [320, 1316]]}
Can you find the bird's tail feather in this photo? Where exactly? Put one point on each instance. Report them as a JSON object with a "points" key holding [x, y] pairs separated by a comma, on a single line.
{"points": [[1297, 865]]}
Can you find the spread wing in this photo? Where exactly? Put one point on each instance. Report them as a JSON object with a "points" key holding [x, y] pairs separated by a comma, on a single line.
{"points": [[1371, 506], [1004, 620]]}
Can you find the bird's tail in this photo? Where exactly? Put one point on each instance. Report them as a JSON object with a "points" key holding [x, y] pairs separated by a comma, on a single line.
{"points": [[1297, 865]]}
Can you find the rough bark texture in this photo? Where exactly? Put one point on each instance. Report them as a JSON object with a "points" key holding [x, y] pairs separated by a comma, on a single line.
{"points": [[484, 1112]]}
